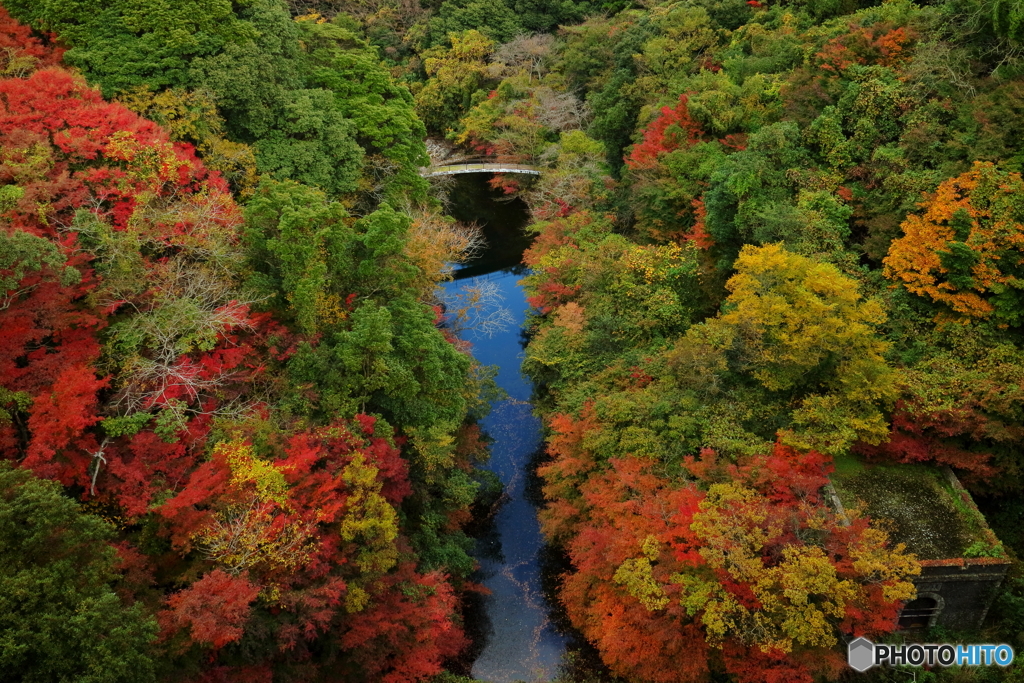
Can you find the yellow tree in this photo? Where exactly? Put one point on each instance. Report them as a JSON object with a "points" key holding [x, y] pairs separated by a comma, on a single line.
{"points": [[455, 74], [247, 530], [191, 116], [800, 330], [800, 592]]}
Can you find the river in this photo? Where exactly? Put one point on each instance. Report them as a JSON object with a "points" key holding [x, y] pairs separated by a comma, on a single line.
{"points": [[519, 640]]}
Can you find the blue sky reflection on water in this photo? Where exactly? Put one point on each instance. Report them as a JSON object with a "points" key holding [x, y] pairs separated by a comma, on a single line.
{"points": [[523, 644]]}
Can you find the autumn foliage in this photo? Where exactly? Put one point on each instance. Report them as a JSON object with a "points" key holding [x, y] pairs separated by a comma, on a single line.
{"points": [[718, 563], [918, 436], [967, 249], [879, 43], [670, 130], [78, 169], [134, 371], [812, 252], [769, 236], [23, 52]]}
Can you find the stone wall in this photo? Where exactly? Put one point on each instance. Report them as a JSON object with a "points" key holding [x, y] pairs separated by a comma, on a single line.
{"points": [[962, 590]]}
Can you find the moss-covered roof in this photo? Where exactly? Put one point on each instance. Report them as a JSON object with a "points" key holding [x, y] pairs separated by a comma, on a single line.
{"points": [[917, 505]]}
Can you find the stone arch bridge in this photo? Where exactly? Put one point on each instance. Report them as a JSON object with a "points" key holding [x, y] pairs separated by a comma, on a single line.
{"points": [[477, 165]]}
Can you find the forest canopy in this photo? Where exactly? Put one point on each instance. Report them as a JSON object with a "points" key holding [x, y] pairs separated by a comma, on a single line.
{"points": [[768, 238]]}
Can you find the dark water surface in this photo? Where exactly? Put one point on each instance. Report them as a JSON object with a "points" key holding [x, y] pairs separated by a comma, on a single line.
{"points": [[502, 221], [520, 643]]}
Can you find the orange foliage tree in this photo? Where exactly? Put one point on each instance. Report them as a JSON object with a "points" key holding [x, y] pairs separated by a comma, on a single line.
{"points": [[880, 43], [966, 251]]}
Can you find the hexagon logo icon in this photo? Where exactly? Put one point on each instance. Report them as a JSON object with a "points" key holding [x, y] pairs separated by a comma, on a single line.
{"points": [[861, 654]]}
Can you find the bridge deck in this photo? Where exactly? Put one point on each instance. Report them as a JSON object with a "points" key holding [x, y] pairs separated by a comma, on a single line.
{"points": [[478, 167]]}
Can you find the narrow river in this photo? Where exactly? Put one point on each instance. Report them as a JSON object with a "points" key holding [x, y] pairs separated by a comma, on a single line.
{"points": [[519, 641]]}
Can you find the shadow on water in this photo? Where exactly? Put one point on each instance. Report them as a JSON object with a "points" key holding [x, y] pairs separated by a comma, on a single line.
{"points": [[514, 636], [501, 219]]}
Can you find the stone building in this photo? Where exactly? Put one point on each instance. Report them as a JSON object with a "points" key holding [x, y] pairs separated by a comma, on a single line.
{"points": [[955, 593], [962, 561]]}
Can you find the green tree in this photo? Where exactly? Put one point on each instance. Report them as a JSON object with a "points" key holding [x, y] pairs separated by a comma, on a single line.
{"points": [[291, 232], [494, 19], [123, 44], [260, 88], [60, 620], [751, 197], [386, 126], [351, 281], [546, 15], [312, 143], [990, 19]]}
